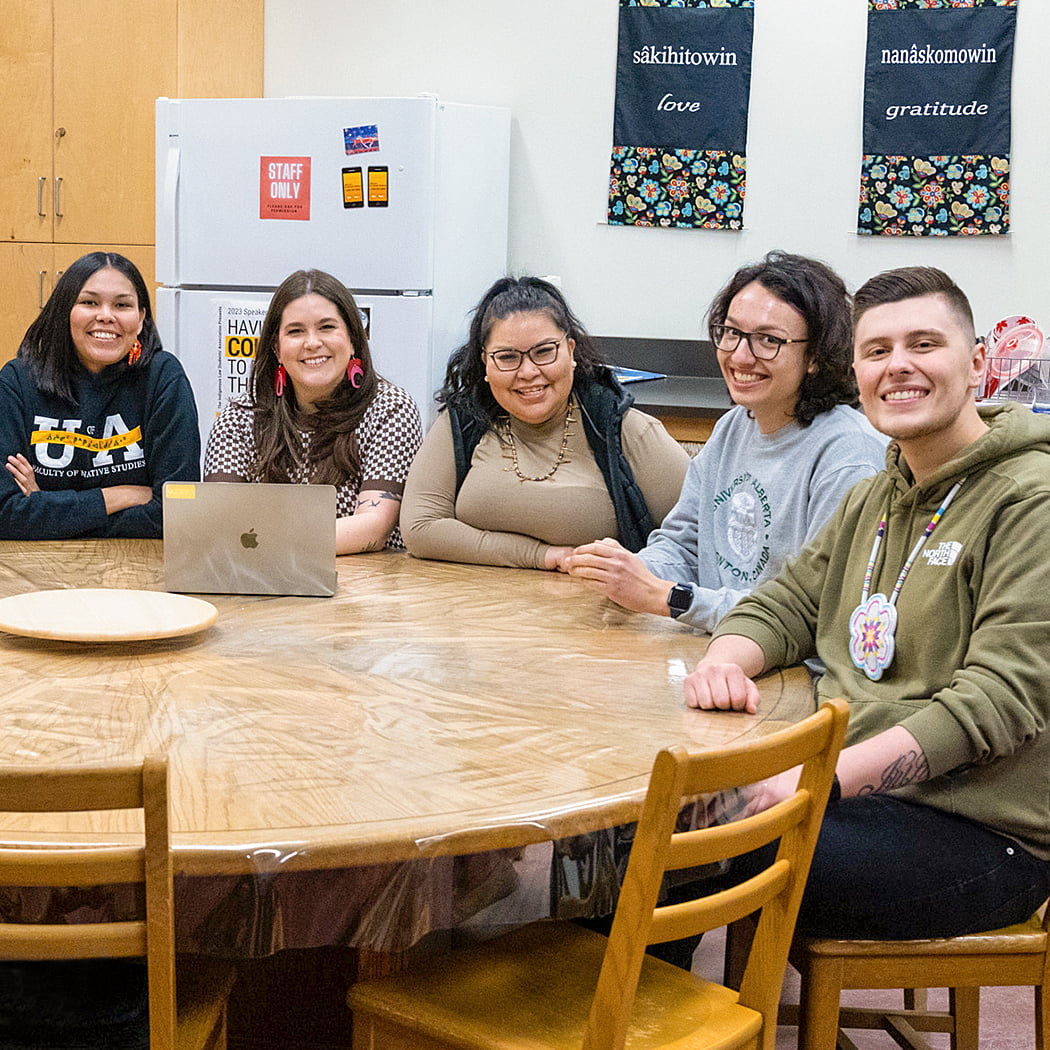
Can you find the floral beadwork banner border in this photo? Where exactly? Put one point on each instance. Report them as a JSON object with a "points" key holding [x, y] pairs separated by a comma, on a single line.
{"points": [[936, 160], [683, 81]]}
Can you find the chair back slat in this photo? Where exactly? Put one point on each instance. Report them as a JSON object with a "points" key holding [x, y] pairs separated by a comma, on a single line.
{"points": [[86, 866], [679, 775], [70, 790], [754, 760], [672, 922], [117, 940], [690, 849]]}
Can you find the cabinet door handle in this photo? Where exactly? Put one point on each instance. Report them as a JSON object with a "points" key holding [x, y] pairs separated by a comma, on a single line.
{"points": [[58, 197], [40, 184], [40, 290]]}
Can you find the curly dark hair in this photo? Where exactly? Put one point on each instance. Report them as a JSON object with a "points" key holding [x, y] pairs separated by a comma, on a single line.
{"points": [[333, 456], [465, 387], [818, 293], [48, 347]]}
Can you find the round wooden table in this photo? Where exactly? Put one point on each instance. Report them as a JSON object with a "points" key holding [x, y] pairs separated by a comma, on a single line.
{"points": [[428, 708]]}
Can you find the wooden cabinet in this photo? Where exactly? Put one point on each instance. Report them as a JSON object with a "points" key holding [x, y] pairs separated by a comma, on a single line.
{"points": [[76, 142], [26, 130]]}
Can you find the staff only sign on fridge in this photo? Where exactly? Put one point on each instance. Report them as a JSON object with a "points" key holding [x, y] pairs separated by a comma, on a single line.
{"points": [[937, 118], [683, 78]]}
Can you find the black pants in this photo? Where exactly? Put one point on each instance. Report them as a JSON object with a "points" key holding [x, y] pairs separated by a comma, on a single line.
{"points": [[888, 869]]}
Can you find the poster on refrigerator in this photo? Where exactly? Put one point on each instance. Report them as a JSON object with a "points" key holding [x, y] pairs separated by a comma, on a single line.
{"points": [[239, 323], [936, 153], [683, 81]]}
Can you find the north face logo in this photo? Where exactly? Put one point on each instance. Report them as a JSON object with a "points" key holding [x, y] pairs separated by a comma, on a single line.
{"points": [[943, 553]]}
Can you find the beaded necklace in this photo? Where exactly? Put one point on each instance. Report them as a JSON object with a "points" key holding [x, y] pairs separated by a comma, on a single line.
{"points": [[507, 438], [873, 623]]}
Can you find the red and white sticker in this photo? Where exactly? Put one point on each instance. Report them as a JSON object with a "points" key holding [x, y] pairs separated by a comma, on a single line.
{"points": [[284, 188]]}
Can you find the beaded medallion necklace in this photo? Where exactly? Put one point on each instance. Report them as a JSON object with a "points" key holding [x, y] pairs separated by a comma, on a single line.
{"points": [[873, 623], [507, 438]]}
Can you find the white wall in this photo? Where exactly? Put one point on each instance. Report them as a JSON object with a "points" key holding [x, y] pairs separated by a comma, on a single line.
{"points": [[553, 63]]}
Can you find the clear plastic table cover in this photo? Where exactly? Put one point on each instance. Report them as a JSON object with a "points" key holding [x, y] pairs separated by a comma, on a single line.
{"points": [[363, 769]]}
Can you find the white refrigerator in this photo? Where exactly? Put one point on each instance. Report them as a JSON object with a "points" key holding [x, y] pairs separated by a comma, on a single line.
{"points": [[403, 199]]}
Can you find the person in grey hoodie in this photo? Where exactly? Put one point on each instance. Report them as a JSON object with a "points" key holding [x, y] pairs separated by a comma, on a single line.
{"points": [[776, 465]]}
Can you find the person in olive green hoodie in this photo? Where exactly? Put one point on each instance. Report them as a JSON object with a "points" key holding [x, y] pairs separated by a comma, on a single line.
{"points": [[927, 598]]}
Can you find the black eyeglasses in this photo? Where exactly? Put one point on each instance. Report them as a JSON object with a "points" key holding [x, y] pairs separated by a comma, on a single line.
{"points": [[510, 360], [763, 345]]}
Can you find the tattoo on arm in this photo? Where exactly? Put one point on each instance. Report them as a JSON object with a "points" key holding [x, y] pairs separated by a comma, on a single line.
{"points": [[908, 768], [368, 501]]}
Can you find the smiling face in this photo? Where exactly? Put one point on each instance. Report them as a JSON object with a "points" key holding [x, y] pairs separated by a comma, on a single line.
{"points": [[314, 346], [767, 389], [532, 393], [918, 367], [105, 320]]}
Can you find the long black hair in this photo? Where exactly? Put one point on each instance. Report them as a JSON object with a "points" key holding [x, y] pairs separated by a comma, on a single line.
{"points": [[333, 456], [48, 343], [465, 386], [818, 293]]}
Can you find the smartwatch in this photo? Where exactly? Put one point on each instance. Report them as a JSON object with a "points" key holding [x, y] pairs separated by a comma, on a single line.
{"points": [[679, 599]]}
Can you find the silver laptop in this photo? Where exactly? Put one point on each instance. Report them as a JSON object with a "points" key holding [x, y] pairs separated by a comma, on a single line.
{"points": [[230, 538]]}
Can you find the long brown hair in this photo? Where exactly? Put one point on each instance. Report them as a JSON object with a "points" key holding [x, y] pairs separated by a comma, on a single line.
{"points": [[333, 456]]}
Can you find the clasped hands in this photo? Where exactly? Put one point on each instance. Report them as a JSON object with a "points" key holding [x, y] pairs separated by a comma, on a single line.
{"points": [[621, 576]]}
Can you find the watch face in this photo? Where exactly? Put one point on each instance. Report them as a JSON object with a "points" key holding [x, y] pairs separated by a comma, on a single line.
{"points": [[680, 598]]}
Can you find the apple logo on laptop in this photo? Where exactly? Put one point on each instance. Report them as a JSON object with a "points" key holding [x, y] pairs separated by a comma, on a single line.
{"points": [[249, 541]]}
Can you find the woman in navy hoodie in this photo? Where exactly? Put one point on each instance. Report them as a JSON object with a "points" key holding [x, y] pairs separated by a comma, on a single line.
{"points": [[94, 415]]}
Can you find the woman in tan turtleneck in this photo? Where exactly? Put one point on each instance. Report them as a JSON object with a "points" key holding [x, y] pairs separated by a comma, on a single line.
{"points": [[537, 449]]}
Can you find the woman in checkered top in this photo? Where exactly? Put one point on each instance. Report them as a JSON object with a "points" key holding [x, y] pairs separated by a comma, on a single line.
{"points": [[319, 413]]}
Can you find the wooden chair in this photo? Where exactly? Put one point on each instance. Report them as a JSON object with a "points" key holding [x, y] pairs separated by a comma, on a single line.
{"points": [[1016, 955], [199, 1020], [553, 984]]}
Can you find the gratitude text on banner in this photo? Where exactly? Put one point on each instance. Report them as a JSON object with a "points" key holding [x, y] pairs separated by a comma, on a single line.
{"points": [[683, 77], [937, 118]]}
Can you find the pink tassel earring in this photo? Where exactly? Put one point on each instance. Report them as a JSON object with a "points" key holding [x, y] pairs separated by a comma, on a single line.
{"points": [[280, 380], [134, 353], [355, 372]]}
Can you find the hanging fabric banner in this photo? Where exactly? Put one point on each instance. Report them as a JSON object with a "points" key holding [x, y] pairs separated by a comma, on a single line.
{"points": [[937, 118], [683, 77]]}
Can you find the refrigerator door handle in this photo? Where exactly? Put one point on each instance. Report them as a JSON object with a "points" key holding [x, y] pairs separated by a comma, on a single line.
{"points": [[167, 215]]}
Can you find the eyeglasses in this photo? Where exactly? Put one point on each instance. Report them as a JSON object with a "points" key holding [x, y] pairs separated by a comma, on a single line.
{"points": [[510, 360], [763, 345]]}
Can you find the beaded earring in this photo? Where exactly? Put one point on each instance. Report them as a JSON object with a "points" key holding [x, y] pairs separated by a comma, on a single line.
{"points": [[135, 352], [280, 380], [355, 372]]}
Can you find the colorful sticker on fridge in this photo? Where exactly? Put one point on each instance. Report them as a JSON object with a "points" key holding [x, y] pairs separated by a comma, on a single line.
{"points": [[378, 186], [353, 188], [364, 139], [284, 188]]}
